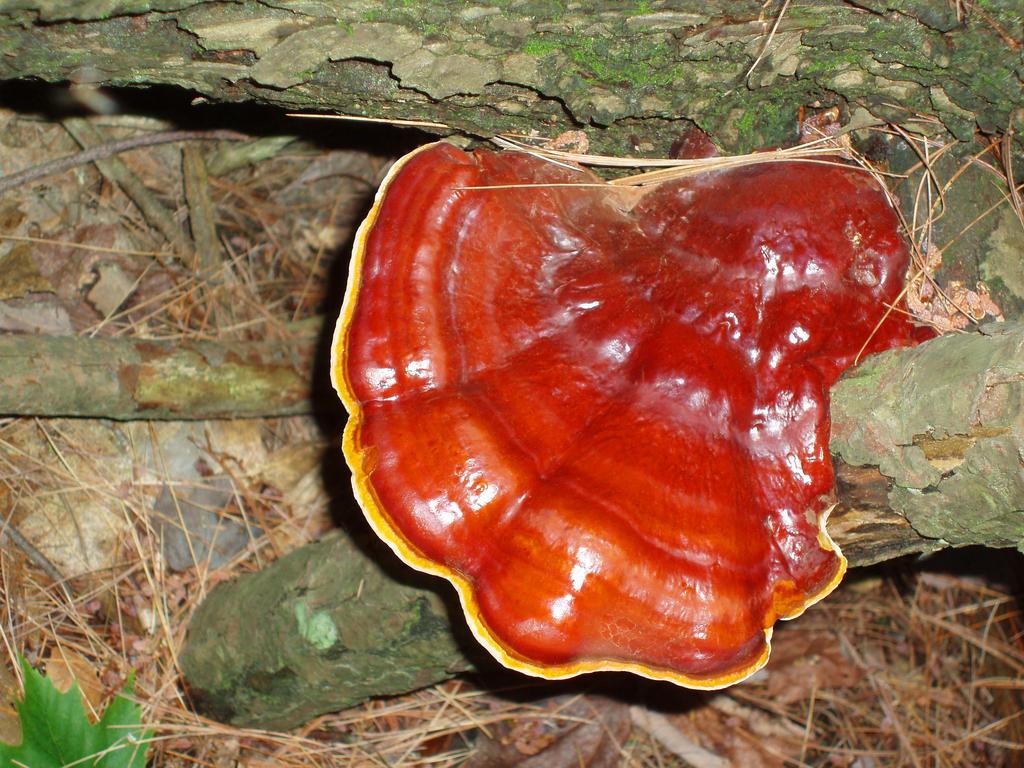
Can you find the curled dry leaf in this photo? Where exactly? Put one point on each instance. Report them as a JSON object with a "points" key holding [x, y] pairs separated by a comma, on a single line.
{"points": [[112, 287], [953, 308], [20, 275], [570, 141], [823, 124]]}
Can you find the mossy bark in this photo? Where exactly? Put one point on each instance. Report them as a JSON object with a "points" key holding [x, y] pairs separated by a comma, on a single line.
{"points": [[632, 68], [322, 628], [938, 434]]}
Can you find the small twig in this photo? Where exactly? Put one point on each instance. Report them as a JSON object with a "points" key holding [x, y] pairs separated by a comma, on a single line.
{"points": [[101, 151], [1011, 42], [37, 557], [152, 208], [808, 723], [82, 246], [202, 217], [363, 119], [1006, 145]]}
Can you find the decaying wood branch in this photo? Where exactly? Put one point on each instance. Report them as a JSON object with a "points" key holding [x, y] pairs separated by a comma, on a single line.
{"points": [[146, 379], [302, 637]]}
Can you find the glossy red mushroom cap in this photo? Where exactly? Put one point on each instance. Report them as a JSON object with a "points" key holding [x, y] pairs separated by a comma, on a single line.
{"points": [[603, 414]]}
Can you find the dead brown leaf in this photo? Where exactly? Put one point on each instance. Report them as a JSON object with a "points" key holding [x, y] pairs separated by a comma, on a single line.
{"points": [[66, 667], [570, 141], [576, 731], [19, 274], [803, 662], [952, 308], [10, 692]]}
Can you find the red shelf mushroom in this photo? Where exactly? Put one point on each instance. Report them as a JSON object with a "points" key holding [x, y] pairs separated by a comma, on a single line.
{"points": [[603, 414]]}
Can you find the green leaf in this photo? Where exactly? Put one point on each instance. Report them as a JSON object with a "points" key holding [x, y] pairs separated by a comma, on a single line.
{"points": [[56, 733]]}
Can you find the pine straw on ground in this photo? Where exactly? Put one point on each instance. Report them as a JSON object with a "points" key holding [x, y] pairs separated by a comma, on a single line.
{"points": [[905, 666]]}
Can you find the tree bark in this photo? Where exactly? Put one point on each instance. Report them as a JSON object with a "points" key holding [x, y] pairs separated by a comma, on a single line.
{"points": [[944, 423], [485, 69], [929, 443]]}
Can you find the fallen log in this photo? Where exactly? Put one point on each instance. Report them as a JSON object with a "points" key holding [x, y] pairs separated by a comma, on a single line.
{"points": [[742, 69]]}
